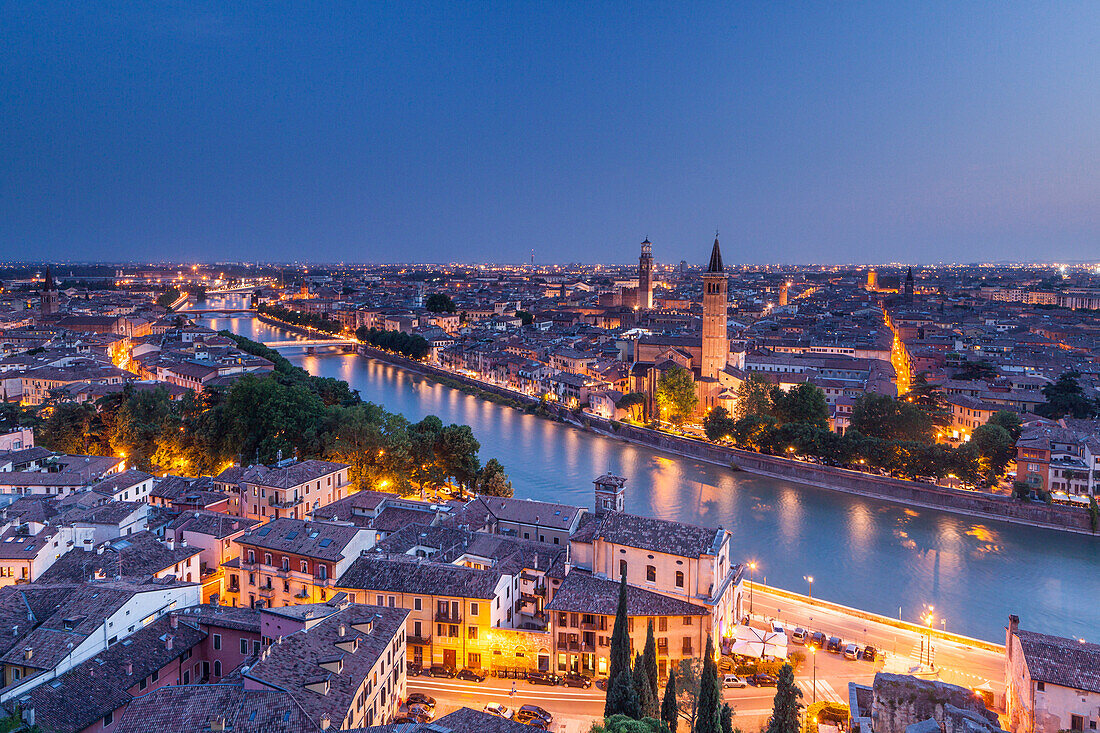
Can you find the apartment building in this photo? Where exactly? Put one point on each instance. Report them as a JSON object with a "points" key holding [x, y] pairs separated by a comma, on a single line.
{"points": [[290, 489], [292, 561]]}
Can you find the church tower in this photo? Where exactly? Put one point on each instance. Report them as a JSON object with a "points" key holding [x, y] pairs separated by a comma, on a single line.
{"points": [[907, 294], [645, 276], [716, 345], [49, 297], [609, 493], [872, 280], [783, 294]]}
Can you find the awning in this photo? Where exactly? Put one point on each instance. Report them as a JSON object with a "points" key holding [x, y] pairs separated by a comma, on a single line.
{"points": [[759, 643]]}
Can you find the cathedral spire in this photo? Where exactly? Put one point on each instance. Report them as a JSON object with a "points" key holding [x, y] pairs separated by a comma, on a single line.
{"points": [[716, 257]]}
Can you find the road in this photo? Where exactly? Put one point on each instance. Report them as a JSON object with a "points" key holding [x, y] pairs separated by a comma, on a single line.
{"points": [[955, 662]]}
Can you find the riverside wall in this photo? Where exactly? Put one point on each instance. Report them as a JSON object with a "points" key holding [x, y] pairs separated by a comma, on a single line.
{"points": [[898, 491]]}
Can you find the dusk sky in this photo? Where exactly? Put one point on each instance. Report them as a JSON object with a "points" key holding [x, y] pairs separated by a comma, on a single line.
{"points": [[468, 131]]}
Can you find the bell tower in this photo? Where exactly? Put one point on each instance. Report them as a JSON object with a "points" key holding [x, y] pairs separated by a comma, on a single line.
{"points": [[645, 276], [610, 492], [716, 345], [49, 299]]}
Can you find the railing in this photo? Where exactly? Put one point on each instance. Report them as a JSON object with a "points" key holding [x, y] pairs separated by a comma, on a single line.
{"points": [[418, 640], [448, 618]]}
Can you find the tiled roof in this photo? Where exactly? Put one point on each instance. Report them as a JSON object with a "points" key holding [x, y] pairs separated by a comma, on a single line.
{"points": [[545, 514], [585, 593], [229, 617], [119, 481], [286, 477], [94, 688], [138, 555], [210, 523], [191, 708], [1061, 661], [295, 662], [404, 574], [648, 533], [321, 540], [172, 487]]}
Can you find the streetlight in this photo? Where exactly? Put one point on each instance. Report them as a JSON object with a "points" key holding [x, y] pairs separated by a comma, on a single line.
{"points": [[752, 581], [810, 579], [813, 653], [929, 620]]}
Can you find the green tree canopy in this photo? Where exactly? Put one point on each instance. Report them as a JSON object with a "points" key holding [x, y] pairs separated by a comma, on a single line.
{"points": [[440, 303], [676, 396], [785, 707], [621, 698], [885, 417], [718, 425], [753, 397], [1066, 398], [804, 403]]}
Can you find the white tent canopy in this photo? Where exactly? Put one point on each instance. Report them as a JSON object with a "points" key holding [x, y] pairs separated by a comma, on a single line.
{"points": [[759, 643]]}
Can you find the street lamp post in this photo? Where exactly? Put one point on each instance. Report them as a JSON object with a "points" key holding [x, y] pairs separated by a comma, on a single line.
{"points": [[810, 579], [752, 582], [813, 653]]}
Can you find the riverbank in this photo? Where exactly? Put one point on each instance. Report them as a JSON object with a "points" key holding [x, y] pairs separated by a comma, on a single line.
{"points": [[897, 491]]}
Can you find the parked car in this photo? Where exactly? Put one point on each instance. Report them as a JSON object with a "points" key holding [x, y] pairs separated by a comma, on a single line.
{"points": [[851, 652], [762, 680], [799, 635], [601, 684], [834, 645], [819, 640], [405, 718], [732, 680], [414, 670], [576, 680], [421, 712], [439, 670], [470, 675], [869, 654], [543, 678], [778, 628], [495, 708], [419, 698], [528, 713]]}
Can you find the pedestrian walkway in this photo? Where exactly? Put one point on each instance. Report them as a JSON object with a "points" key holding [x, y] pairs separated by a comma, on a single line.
{"points": [[825, 692]]}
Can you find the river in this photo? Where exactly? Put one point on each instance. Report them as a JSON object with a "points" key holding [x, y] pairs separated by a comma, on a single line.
{"points": [[872, 555]]}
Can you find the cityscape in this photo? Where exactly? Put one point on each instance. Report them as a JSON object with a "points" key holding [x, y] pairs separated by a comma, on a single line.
{"points": [[268, 465]]}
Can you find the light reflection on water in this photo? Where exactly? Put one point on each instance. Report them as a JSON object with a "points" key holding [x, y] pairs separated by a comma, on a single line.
{"points": [[862, 553]]}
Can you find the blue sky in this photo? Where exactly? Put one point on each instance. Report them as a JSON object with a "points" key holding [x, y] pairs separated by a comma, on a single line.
{"points": [[809, 132]]}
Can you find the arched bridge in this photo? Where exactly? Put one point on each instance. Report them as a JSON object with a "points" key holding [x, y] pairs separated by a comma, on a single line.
{"points": [[309, 343]]}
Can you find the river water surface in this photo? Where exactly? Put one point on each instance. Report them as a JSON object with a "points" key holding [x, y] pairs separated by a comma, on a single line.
{"points": [[872, 555]]}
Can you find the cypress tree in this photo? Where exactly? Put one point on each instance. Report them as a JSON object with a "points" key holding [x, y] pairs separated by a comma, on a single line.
{"points": [[647, 700], [621, 698], [670, 712], [708, 719], [785, 705], [649, 667], [727, 718]]}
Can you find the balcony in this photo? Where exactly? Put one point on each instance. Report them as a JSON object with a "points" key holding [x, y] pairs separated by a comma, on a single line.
{"points": [[418, 640], [448, 618], [267, 591]]}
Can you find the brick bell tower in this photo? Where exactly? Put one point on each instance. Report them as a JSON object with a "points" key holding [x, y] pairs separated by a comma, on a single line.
{"points": [[645, 276], [716, 345]]}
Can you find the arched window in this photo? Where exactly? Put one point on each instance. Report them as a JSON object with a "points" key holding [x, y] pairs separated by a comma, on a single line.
{"points": [[679, 579]]}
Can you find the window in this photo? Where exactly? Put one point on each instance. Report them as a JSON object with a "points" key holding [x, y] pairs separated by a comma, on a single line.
{"points": [[144, 683], [662, 623], [251, 556], [679, 579], [622, 568], [217, 641], [255, 647], [650, 574], [286, 563], [687, 645], [393, 601], [244, 646], [471, 632], [267, 558], [380, 600], [687, 620], [217, 668], [474, 609], [1076, 722], [417, 604], [108, 719], [304, 566], [1040, 686]]}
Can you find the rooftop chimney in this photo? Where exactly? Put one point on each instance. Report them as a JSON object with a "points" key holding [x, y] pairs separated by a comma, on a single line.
{"points": [[168, 642], [174, 620], [325, 721], [27, 652], [129, 668], [341, 630]]}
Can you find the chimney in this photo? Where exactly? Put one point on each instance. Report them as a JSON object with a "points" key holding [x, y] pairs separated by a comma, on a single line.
{"points": [[174, 620], [129, 668], [27, 652], [168, 641], [341, 630], [325, 721], [217, 724], [1013, 627]]}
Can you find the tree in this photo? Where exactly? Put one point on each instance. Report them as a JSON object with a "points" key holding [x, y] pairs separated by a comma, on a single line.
{"points": [[651, 705], [440, 303], [646, 695], [624, 724], [1066, 397], [168, 297], [676, 397], [726, 715], [929, 398], [631, 401], [804, 403], [973, 370], [670, 712], [621, 698], [492, 481], [753, 397], [718, 425], [784, 717], [995, 447], [890, 419], [526, 318], [1008, 420], [708, 719], [690, 671], [68, 428]]}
